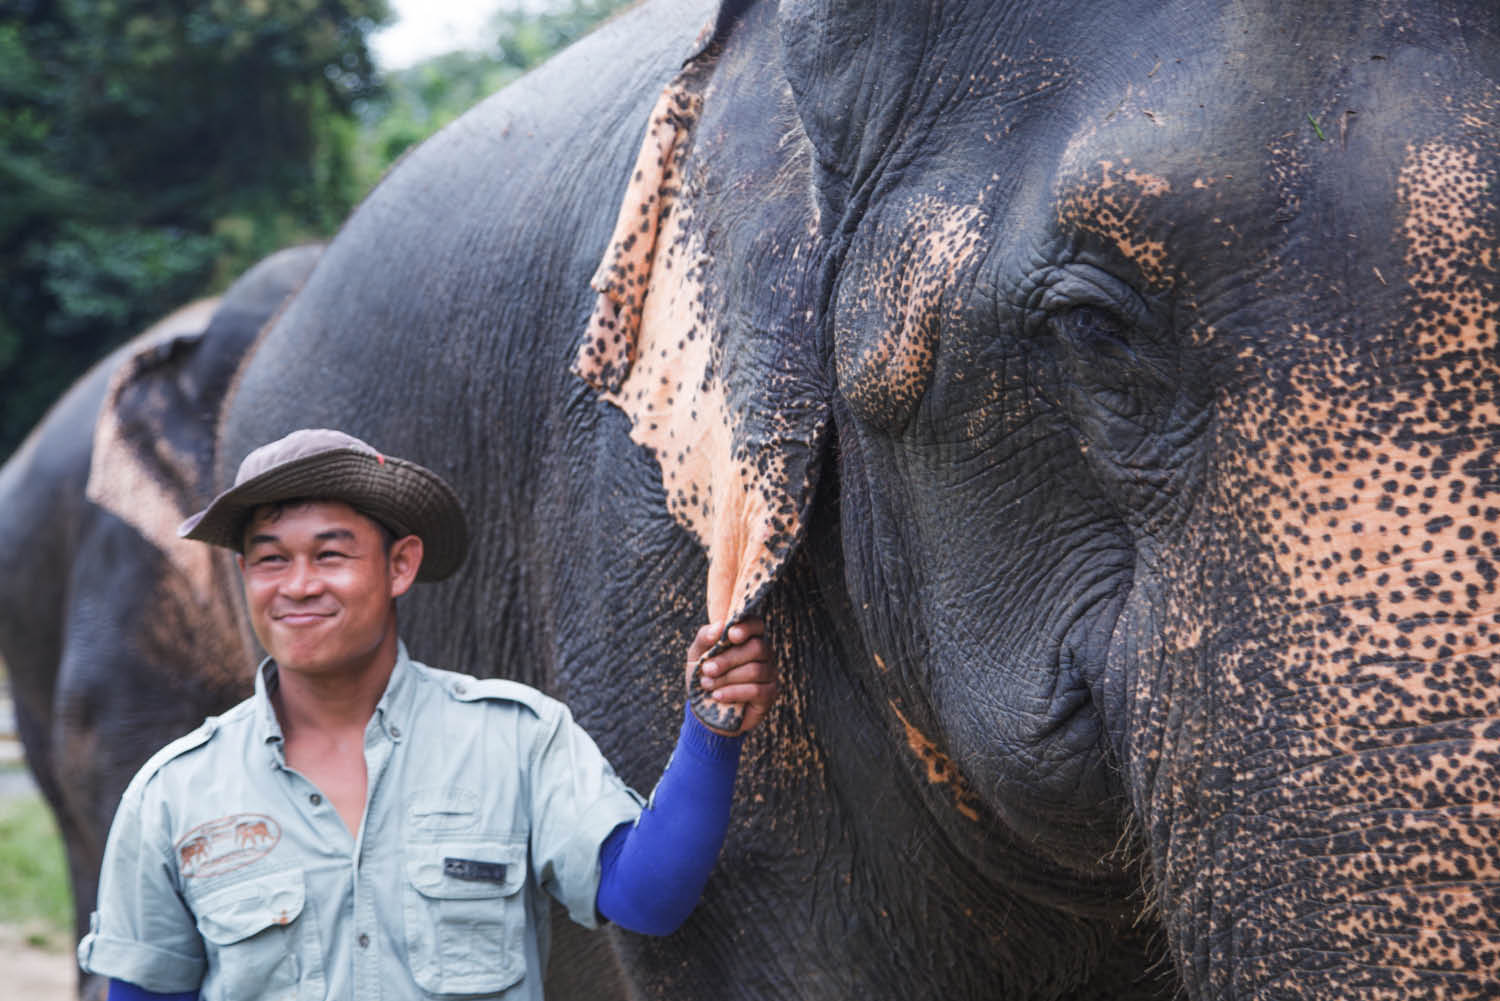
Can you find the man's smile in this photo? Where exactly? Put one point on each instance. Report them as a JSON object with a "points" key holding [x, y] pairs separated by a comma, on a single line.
{"points": [[302, 617]]}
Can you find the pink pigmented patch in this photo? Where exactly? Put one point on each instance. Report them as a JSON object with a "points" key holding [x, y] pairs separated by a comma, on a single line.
{"points": [[649, 348]]}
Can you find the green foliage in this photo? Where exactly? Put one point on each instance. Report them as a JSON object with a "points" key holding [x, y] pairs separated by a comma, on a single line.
{"points": [[152, 150], [526, 39], [418, 101], [34, 872]]}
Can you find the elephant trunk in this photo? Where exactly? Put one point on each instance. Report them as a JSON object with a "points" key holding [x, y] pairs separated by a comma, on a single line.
{"points": [[1324, 806]]}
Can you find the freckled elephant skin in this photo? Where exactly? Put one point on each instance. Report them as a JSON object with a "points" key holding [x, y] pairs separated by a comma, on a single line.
{"points": [[112, 649], [1100, 401]]}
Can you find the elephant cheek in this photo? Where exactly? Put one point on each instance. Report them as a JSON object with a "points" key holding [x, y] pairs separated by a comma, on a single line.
{"points": [[1320, 813]]}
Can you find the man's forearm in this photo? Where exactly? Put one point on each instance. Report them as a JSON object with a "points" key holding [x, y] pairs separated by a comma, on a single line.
{"points": [[653, 871], [119, 990]]}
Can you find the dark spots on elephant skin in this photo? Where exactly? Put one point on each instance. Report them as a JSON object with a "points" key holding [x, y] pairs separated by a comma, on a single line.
{"points": [[1356, 732], [663, 365]]}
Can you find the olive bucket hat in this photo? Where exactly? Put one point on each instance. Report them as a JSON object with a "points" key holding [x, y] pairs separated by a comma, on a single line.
{"points": [[322, 464]]}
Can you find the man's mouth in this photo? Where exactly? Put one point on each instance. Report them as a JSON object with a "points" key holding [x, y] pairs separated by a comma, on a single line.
{"points": [[300, 617]]}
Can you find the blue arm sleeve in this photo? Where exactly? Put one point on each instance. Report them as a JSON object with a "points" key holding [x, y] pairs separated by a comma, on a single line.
{"points": [[119, 990], [653, 871]]}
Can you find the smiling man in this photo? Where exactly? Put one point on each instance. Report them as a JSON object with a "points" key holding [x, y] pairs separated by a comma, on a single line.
{"points": [[364, 825]]}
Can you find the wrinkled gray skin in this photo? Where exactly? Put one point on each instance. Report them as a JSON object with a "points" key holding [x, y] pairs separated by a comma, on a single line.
{"points": [[1118, 385], [105, 663]]}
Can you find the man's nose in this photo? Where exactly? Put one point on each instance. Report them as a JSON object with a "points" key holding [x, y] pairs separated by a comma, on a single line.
{"points": [[303, 581]]}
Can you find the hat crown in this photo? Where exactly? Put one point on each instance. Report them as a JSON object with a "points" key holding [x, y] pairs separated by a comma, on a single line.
{"points": [[324, 464], [298, 445]]}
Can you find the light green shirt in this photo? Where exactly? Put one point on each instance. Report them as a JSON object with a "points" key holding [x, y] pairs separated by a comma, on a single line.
{"points": [[227, 871]]}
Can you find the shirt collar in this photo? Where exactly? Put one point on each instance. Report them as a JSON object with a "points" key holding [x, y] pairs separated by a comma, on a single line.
{"points": [[391, 712], [265, 714]]}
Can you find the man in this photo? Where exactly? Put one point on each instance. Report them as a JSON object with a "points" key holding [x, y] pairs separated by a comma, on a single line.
{"points": [[365, 826]]}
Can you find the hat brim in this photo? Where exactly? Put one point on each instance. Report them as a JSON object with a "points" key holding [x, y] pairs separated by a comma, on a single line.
{"points": [[405, 497]]}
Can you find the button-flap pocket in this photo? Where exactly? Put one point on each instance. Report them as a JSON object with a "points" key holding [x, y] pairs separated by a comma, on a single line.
{"points": [[465, 915], [257, 946], [250, 906], [466, 869]]}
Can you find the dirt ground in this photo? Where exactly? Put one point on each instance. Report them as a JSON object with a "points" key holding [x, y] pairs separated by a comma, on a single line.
{"points": [[33, 974]]}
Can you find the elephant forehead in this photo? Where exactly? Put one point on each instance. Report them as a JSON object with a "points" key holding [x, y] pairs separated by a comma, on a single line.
{"points": [[1117, 201]]}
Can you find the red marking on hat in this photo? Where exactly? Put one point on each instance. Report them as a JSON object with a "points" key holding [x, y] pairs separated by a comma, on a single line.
{"points": [[380, 458]]}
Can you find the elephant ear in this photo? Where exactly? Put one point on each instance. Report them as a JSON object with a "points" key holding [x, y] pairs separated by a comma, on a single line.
{"points": [[704, 331], [153, 442]]}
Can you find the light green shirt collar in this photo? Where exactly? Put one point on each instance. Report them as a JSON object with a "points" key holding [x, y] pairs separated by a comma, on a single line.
{"points": [[392, 712]]}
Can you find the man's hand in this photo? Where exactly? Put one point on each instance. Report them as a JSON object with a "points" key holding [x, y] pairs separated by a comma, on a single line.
{"points": [[733, 690]]}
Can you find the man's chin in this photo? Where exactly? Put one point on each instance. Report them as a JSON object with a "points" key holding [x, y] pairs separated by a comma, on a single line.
{"points": [[306, 658]]}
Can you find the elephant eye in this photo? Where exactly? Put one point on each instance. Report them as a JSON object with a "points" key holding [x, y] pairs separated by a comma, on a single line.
{"points": [[1116, 373], [1092, 332]]}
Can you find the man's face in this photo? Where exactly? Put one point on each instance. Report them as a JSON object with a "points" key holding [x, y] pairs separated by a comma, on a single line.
{"points": [[321, 585]]}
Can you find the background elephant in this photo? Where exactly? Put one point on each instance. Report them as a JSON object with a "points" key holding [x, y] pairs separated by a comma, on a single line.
{"points": [[112, 644], [1098, 399]]}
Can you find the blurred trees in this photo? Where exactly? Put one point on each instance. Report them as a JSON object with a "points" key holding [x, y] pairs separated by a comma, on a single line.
{"points": [[416, 102], [151, 150], [148, 147]]}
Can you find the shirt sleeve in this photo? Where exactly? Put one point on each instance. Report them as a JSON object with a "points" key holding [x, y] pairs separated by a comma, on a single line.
{"points": [[576, 800], [142, 932], [654, 870]]}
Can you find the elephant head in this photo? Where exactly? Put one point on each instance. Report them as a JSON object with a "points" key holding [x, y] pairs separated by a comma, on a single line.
{"points": [[1149, 357]]}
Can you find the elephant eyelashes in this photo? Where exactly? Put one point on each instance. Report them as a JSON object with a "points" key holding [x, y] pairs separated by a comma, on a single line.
{"points": [[1092, 333], [1117, 378]]}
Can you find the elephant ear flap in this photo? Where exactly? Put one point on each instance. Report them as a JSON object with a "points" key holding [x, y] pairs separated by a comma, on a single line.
{"points": [[154, 449], [152, 458], [717, 370], [622, 278]]}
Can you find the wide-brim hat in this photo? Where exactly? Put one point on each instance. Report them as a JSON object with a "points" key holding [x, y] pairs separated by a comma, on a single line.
{"points": [[323, 464]]}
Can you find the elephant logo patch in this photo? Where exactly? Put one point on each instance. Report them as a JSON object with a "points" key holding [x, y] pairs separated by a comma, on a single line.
{"points": [[226, 844]]}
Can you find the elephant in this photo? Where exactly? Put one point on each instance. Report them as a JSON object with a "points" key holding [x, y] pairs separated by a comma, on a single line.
{"points": [[1099, 401], [113, 648]]}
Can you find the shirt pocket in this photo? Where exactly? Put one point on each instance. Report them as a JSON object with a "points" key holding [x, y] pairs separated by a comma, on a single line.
{"points": [[465, 915], [256, 942]]}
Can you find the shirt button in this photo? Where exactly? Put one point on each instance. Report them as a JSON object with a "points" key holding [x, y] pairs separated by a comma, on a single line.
{"points": [[315, 799], [460, 687], [364, 941], [396, 732]]}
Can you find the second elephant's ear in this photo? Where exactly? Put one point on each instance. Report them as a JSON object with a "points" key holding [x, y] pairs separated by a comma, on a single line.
{"points": [[705, 328], [153, 442]]}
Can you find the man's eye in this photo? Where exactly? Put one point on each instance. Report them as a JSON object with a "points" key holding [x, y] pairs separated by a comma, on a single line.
{"points": [[332, 554]]}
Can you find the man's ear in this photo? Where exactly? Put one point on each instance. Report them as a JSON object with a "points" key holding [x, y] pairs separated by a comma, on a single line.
{"points": [[404, 562]]}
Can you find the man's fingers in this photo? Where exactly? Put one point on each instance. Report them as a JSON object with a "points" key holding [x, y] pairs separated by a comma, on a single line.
{"points": [[756, 672], [746, 628], [733, 657], [703, 641], [748, 694]]}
